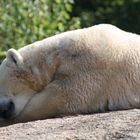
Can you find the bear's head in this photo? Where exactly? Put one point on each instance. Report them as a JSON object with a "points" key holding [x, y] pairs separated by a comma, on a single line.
{"points": [[20, 80]]}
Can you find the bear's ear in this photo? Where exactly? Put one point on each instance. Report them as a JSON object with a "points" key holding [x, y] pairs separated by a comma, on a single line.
{"points": [[14, 57]]}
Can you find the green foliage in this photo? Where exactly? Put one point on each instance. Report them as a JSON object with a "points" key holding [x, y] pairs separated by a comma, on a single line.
{"points": [[122, 13], [25, 21]]}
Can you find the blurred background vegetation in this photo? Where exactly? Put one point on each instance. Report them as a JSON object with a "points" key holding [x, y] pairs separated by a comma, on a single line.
{"points": [[25, 21]]}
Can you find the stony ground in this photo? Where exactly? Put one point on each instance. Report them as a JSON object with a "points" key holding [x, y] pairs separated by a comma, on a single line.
{"points": [[120, 125]]}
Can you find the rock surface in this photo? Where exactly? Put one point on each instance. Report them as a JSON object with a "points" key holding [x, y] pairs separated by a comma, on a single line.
{"points": [[118, 125]]}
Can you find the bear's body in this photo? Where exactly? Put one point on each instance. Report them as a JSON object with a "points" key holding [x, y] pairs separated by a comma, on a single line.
{"points": [[88, 70]]}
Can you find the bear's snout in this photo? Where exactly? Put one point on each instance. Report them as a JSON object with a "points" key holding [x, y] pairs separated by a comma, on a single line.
{"points": [[7, 109]]}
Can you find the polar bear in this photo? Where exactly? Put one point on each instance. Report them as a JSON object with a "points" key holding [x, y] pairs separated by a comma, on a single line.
{"points": [[89, 70]]}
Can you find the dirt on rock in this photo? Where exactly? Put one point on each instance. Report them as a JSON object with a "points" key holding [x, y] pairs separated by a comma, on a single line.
{"points": [[118, 125]]}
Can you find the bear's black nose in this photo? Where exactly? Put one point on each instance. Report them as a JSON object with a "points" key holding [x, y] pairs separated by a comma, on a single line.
{"points": [[7, 108]]}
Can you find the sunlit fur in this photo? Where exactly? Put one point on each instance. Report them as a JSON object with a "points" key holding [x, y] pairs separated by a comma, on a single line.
{"points": [[89, 70]]}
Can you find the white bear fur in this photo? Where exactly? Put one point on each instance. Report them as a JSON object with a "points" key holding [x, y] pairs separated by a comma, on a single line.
{"points": [[89, 70]]}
